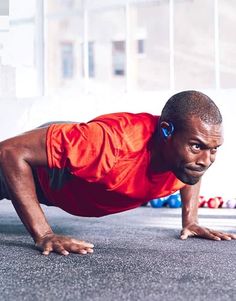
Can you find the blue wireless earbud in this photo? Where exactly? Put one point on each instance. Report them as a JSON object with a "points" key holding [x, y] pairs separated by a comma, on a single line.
{"points": [[168, 131]]}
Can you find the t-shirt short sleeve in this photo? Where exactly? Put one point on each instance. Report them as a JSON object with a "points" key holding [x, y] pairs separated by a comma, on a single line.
{"points": [[86, 150]]}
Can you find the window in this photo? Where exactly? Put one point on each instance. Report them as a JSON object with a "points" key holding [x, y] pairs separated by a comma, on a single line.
{"points": [[4, 8], [21, 63], [227, 44], [67, 60], [91, 59], [91, 62], [4, 15], [131, 44], [194, 54], [106, 28], [118, 56], [150, 29], [67, 3], [140, 47]]}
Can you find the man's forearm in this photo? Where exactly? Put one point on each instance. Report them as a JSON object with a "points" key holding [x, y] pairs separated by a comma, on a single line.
{"points": [[34, 221], [189, 213], [31, 215], [15, 159], [22, 191]]}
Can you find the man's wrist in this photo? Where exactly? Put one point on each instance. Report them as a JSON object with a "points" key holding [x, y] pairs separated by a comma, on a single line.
{"points": [[40, 236], [189, 223]]}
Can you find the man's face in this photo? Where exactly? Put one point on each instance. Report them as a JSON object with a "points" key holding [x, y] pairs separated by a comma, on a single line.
{"points": [[194, 149]]}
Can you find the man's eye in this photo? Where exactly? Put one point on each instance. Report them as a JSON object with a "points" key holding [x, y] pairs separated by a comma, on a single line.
{"points": [[214, 150], [196, 147]]}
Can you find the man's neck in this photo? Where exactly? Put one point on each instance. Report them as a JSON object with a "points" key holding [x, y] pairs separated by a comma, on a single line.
{"points": [[158, 161]]}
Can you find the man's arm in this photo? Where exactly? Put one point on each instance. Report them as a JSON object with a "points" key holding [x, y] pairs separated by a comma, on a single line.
{"points": [[189, 197], [17, 156]]}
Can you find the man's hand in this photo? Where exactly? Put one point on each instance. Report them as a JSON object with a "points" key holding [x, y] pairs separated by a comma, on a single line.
{"points": [[198, 231], [62, 245], [17, 157]]}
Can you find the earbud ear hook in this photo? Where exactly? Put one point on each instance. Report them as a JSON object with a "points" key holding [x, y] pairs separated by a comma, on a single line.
{"points": [[172, 128], [168, 131]]}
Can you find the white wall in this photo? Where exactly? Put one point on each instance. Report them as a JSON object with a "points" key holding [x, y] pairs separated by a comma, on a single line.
{"points": [[20, 115]]}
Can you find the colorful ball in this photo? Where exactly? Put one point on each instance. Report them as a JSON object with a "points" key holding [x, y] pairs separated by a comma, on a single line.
{"points": [[231, 203], [216, 202], [201, 201], [174, 201], [221, 201], [213, 203], [157, 203]]}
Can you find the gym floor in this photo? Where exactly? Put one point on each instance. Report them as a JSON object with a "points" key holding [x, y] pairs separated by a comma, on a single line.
{"points": [[138, 256]]}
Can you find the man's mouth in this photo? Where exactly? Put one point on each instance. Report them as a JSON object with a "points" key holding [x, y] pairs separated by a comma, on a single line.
{"points": [[195, 172]]}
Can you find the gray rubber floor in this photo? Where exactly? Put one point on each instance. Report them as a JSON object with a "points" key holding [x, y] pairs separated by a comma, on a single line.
{"points": [[138, 256]]}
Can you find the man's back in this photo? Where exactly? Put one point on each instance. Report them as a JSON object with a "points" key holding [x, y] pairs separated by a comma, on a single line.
{"points": [[107, 165]]}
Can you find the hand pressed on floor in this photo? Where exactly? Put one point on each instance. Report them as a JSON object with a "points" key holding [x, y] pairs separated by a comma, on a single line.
{"points": [[198, 231], [63, 245]]}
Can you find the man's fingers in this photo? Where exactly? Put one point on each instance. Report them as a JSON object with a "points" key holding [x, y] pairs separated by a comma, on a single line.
{"points": [[55, 248], [80, 248], [185, 233], [217, 235], [82, 243], [47, 250], [90, 251], [223, 235], [184, 236], [63, 245], [60, 249], [209, 235], [233, 236]]}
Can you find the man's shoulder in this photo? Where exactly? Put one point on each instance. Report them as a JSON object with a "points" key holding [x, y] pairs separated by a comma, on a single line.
{"points": [[131, 130], [127, 120]]}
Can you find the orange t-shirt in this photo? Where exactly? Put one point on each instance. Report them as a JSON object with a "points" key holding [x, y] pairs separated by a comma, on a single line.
{"points": [[102, 167]]}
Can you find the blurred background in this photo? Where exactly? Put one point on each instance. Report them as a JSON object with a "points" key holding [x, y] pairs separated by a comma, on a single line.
{"points": [[76, 59]]}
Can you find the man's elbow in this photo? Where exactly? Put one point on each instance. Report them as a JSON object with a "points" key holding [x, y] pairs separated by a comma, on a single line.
{"points": [[8, 153]]}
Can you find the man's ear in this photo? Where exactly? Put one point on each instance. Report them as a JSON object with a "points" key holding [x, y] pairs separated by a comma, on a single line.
{"points": [[167, 129]]}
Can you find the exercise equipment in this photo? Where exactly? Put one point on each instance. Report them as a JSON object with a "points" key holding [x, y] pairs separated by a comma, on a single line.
{"points": [[174, 201], [202, 201], [158, 203], [215, 202], [231, 203]]}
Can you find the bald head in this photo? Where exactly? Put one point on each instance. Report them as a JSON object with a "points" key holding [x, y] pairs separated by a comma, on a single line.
{"points": [[187, 104]]}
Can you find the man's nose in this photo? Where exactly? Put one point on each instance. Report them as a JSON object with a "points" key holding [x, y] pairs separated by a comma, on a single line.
{"points": [[206, 158]]}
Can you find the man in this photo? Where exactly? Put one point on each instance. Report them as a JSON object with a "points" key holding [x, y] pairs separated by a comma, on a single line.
{"points": [[113, 163]]}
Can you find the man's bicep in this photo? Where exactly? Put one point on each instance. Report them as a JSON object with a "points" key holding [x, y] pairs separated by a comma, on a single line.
{"points": [[29, 146]]}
